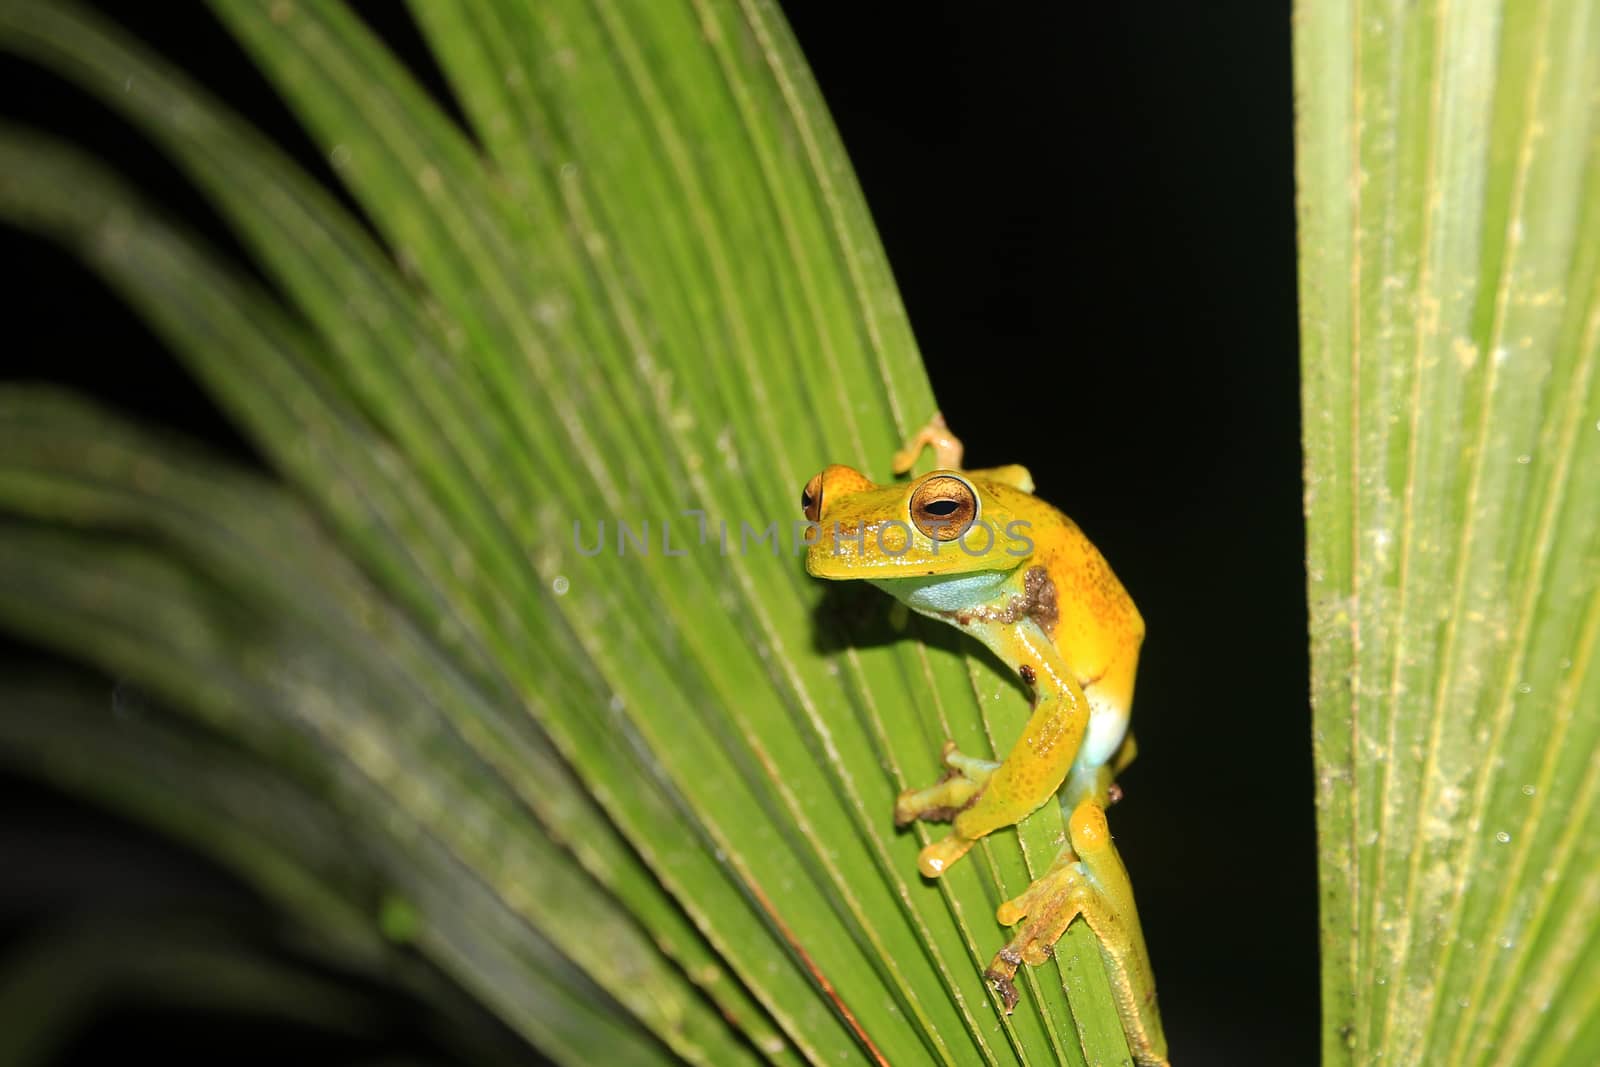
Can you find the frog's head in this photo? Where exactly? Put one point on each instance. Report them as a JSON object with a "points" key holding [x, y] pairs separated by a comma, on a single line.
{"points": [[943, 523]]}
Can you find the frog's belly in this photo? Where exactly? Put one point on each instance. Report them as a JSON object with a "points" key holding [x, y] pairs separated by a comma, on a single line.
{"points": [[1108, 725]]}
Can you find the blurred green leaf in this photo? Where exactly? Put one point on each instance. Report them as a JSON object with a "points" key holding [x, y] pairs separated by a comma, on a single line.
{"points": [[1449, 166]]}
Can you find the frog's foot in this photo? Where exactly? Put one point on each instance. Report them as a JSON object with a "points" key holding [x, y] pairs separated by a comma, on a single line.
{"points": [[959, 787], [1088, 880], [1048, 905], [947, 447]]}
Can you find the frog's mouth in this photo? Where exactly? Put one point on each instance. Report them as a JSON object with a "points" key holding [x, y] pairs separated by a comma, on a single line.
{"points": [[944, 592]]}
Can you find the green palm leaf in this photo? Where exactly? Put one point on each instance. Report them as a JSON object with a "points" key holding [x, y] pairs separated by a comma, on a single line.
{"points": [[1449, 162], [636, 802]]}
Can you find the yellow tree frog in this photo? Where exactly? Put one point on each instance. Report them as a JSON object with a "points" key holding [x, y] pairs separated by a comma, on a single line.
{"points": [[976, 549]]}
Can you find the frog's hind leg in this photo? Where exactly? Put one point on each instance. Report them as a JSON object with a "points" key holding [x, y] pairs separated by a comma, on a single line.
{"points": [[1087, 879]]}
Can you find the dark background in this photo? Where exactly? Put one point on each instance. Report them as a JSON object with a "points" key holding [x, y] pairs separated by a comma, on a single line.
{"points": [[1090, 215]]}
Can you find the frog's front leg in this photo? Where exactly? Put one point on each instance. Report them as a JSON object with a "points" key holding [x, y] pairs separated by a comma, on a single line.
{"points": [[979, 797], [1087, 879]]}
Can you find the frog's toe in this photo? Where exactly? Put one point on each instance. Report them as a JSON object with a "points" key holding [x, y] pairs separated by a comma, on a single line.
{"points": [[1022, 905], [940, 802], [1042, 948], [911, 806], [970, 767], [937, 857], [947, 448], [1036, 941], [943, 800], [1000, 975]]}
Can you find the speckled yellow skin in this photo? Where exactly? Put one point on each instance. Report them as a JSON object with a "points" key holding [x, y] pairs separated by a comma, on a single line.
{"points": [[1043, 598]]}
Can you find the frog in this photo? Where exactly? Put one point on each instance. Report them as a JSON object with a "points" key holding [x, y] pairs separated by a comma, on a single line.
{"points": [[978, 550]]}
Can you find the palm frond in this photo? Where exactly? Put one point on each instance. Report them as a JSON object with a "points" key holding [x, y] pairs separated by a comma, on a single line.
{"points": [[641, 794], [1449, 160]]}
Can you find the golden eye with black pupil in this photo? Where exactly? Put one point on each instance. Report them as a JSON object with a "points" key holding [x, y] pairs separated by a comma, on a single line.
{"points": [[811, 499], [944, 507]]}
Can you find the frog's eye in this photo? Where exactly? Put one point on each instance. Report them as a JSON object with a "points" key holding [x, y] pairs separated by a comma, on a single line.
{"points": [[811, 499], [943, 507]]}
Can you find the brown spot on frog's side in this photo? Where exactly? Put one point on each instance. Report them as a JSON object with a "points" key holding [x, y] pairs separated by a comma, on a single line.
{"points": [[1037, 602], [1039, 592]]}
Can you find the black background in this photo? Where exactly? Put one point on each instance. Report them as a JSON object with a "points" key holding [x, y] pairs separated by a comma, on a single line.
{"points": [[1090, 215]]}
